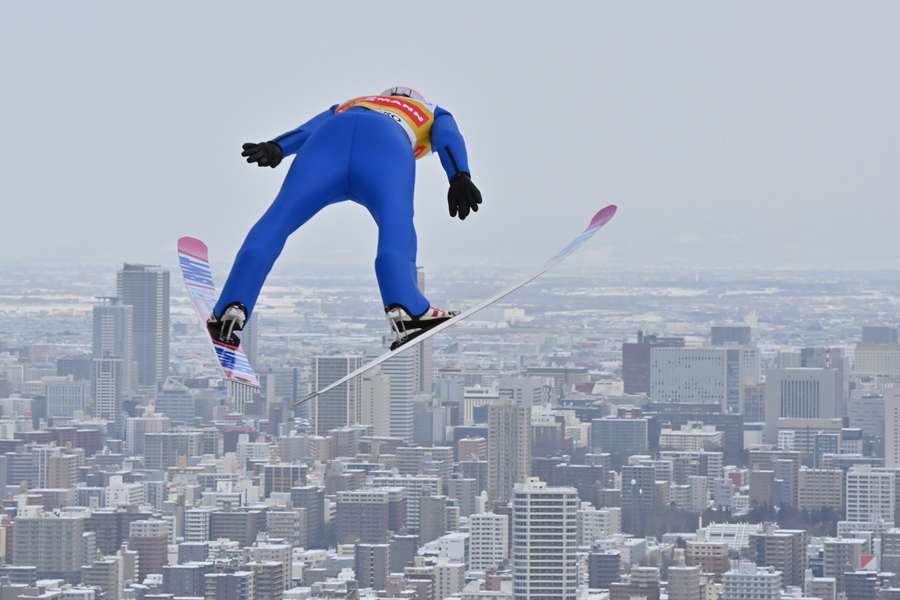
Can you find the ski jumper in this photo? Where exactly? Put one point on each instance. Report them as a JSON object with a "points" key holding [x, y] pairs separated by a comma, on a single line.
{"points": [[364, 150]]}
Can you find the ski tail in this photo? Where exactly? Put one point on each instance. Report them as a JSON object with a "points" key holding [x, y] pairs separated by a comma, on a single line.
{"points": [[601, 218], [193, 258]]}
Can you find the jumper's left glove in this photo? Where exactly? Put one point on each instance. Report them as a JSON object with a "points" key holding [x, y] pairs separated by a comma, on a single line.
{"points": [[266, 154], [463, 196]]}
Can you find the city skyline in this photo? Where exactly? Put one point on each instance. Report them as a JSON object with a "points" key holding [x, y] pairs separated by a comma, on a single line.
{"points": [[702, 404]]}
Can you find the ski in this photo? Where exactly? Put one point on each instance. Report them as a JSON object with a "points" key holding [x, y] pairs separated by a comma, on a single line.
{"points": [[600, 219], [193, 257]]}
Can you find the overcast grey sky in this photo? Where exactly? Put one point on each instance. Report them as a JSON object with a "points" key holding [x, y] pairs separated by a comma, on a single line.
{"points": [[754, 134]]}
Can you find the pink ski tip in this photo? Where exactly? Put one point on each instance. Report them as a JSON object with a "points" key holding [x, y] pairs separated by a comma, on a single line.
{"points": [[603, 216], [194, 247]]}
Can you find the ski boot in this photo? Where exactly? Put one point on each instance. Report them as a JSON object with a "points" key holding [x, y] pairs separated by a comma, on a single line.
{"points": [[222, 329], [407, 327]]}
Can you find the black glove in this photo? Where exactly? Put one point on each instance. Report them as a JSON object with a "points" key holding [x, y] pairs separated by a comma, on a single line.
{"points": [[267, 154], [463, 196]]}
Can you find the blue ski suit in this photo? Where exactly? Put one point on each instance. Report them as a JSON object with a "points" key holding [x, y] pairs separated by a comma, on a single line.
{"points": [[355, 154]]}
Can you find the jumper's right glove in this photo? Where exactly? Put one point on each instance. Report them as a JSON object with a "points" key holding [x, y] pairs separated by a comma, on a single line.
{"points": [[266, 154], [463, 196]]}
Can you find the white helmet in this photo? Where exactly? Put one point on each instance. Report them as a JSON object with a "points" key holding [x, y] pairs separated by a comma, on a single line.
{"points": [[406, 92]]}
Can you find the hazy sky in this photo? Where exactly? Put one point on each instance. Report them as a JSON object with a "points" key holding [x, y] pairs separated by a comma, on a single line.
{"points": [[754, 134]]}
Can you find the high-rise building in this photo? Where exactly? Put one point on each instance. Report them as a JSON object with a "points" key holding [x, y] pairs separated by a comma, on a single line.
{"points": [[799, 394], [879, 334], [136, 429], [290, 525], [186, 579], [620, 437], [103, 573], [311, 498], [372, 565], [402, 371], [146, 289], [464, 492], [236, 585], [639, 497], [715, 376], [338, 407], [488, 541], [509, 447], [375, 402], [603, 568], [150, 539], [449, 579], [870, 494], [109, 388], [749, 582], [66, 396], [164, 450], [417, 487], [424, 351], [282, 477], [425, 460], [877, 359], [268, 579], [544, 541], [175, 401], [684, 583], [820, 489], [596, 523], [196, 523], [40, 464], [433, 518], [250, 339], [891, 420], [526, 391], [365, 515], [241, 526], [53, 544], [783, 549], [711, 556], [63, 471], [842, 555], [730, 335], [890, 550], [111, 527], [113, 336], [636, 360]]}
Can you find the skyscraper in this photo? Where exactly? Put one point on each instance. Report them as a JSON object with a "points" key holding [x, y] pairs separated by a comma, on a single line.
{"points": [[403, 373], [509, 447], [544, 542], [146, 289], [703, 375], [113, 335], [340, 406], [375, 402], [250, 340], [892, 426], [636, 360], [800, 394], [109, 388], [424, 351], [639, 497], [819, 357]]}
